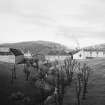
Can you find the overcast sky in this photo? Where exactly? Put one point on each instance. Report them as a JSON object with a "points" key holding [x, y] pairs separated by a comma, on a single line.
{"points": [[68, 22]]}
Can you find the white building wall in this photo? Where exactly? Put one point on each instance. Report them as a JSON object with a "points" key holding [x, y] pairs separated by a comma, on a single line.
{"points": [[7, 58], [4, 49], [11, 58], [19, 59], [85, 54], [28, 55], [100, 54], [94, 54], [80, 55], [56, 57]]}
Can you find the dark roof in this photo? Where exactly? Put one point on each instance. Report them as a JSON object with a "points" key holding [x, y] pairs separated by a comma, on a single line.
{"points": [[94, 50], [5, 53], [16, 52], [57, 52]]}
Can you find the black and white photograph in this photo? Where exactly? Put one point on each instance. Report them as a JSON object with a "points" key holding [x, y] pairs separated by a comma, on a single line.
{"points": [[52, 52]]}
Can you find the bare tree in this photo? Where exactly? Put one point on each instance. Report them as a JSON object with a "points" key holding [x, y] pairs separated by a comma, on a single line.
{"points": [[81, 83], [70, 66], [78, 89], [85, 77], [78, 85], [60, 84], [27, 70], [13, 74]]}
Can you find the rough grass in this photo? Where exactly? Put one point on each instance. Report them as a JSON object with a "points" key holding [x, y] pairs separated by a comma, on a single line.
{"points": [[96, 87], [20, 84]]}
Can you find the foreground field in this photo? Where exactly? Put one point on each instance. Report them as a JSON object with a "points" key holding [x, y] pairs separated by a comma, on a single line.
{"points": [[19, 85], [96, 87]]}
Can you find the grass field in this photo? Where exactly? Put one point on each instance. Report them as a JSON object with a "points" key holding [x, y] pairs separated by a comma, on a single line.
{"points": [[96, 87], [20, 84]]}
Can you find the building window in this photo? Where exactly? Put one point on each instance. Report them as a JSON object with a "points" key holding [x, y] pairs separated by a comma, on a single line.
{"points": [[80, 55], [97, 53], [103, 53], [90, 53]]}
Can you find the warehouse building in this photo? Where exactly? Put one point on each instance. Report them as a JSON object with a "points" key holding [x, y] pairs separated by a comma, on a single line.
{"points": [[89, 54], [11, 55]]}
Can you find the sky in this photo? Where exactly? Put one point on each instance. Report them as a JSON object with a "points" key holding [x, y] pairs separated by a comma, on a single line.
{"points": [[74, 23]]}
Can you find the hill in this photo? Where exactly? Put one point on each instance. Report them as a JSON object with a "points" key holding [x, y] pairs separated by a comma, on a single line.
{"points": [[43, 47]]}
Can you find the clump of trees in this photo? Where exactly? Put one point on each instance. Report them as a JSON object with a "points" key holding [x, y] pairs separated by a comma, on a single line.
{"points": [[81, 81], [69, 72], [70, 66], [53, 80]]}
